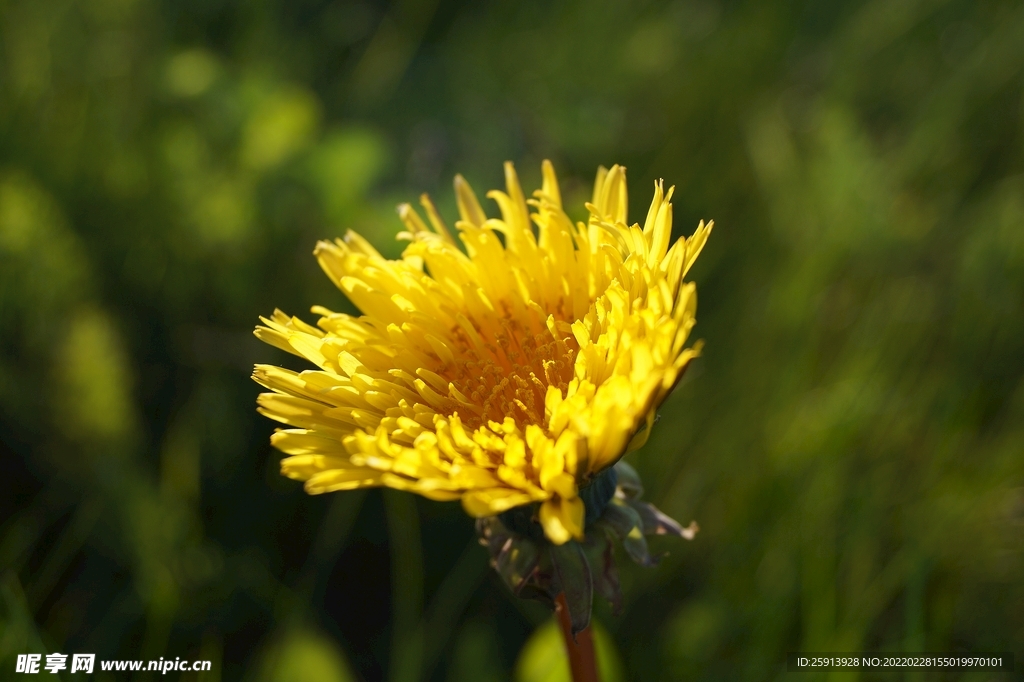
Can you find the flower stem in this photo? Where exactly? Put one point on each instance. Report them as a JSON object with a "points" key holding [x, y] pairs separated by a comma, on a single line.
{"points": [[580, 649]]}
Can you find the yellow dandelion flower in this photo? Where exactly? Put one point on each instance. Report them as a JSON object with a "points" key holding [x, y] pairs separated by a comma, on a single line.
{"points": [[509, 371]]}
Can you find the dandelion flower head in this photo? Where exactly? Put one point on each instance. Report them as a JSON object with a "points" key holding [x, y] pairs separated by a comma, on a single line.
{"points": [[507, 370]]}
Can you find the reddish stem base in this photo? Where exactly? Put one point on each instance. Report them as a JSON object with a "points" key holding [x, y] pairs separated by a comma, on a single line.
{"points": [[582, 661]]}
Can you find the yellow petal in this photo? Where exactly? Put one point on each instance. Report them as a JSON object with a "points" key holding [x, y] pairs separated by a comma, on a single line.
{"points": [[493, 501], [562, 519]]}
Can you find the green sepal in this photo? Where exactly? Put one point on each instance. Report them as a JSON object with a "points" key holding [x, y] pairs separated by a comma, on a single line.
{"points": [[535, 593], [626, 525], [656, 522], [492, 534], [514, 557], [628, 480], [574, 579], [516, 562], [598, 493], [601, 557]]}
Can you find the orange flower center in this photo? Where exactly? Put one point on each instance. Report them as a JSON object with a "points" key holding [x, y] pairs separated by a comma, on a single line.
{"points": [[511, 376]]}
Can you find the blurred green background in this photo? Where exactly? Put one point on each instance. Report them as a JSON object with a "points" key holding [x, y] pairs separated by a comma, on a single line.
{"points": [[851, 443]]}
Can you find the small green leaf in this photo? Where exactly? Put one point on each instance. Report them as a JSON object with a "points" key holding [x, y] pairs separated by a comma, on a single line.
{"points": [[304, 654], [543, 659]]}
